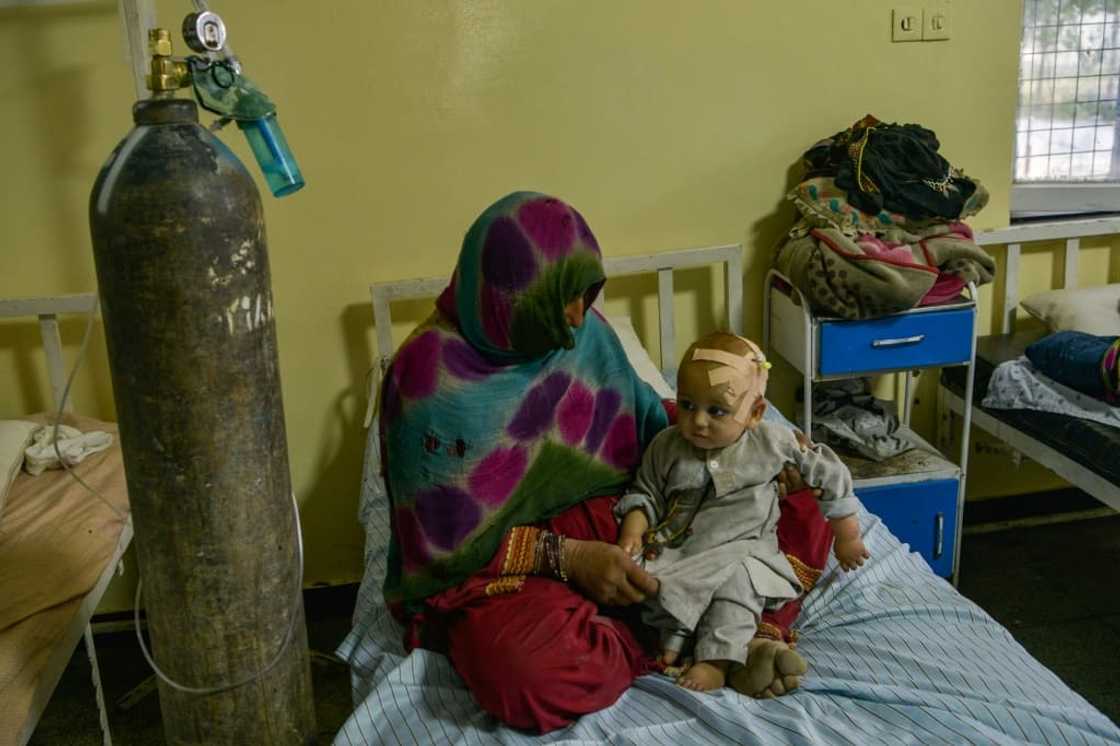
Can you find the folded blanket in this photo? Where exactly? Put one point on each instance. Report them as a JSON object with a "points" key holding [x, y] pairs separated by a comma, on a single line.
{"points": [[824, 204], [858, 277], [1085, 362], [73, 445]]}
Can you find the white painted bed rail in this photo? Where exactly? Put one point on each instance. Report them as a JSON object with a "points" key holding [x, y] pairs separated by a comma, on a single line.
{"points": [[1049, 231], [664, 264], [1013, 237], [48, 309]]}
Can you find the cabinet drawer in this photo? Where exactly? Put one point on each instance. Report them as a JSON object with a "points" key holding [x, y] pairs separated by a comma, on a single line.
{"points": [[910, 340], [921, 514]]}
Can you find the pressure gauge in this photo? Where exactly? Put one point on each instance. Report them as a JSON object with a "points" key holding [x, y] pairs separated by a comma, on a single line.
{"points": [[204, 32]]}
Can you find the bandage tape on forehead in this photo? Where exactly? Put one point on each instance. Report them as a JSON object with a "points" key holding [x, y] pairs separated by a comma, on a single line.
{"points": [[735, 371]]}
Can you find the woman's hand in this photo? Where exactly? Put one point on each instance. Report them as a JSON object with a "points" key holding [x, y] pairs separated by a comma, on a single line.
{"points": [[633, 528], [606, 574], [789, 478], [790, 481]]}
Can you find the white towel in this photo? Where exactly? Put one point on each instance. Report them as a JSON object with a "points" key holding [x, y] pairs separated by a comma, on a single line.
{"points": [[73, 444]]}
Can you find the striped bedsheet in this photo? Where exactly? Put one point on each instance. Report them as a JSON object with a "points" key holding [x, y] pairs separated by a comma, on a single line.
{"points": [[896, 656]]}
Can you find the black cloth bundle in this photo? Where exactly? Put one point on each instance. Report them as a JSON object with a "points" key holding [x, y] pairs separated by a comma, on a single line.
{"points": [[893, 167]]}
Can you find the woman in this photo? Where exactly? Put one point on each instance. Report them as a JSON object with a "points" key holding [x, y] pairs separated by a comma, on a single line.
{"points": [[509, 420]]}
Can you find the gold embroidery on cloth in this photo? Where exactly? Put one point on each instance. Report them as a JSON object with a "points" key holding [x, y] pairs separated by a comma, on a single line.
{"points": [[520, 551], [770, 631], [507, 584], [806, 575]]}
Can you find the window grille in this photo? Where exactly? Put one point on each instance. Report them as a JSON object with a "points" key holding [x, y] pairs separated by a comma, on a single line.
{"points": [[1068, 128]]}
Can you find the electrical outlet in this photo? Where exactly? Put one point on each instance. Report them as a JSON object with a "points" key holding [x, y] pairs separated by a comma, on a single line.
{"points": [[935, 22], [906, 23]]}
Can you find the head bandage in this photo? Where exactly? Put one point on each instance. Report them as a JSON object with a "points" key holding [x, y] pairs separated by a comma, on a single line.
{"points": [[745, 375]]}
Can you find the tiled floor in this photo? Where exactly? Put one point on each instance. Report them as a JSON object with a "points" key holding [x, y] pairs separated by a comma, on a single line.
{"points": [[1055, 588]]}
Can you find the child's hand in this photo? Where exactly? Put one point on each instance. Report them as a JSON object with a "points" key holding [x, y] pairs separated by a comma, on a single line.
{"points": [[850, 553], [630, 544], [630, 534]]}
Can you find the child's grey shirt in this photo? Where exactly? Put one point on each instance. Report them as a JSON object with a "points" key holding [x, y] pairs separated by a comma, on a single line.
{"points": [[737, 524]]}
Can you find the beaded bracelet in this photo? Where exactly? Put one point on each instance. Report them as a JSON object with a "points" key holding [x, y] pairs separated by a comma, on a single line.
{"points": [[538, 552], [560, 570], [550, 551]]}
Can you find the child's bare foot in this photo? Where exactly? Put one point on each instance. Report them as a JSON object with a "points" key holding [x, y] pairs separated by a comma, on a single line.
{"points": [[704, 676], [772, 669]]}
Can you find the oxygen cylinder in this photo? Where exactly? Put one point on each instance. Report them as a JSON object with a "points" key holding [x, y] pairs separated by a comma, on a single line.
{"points": [[183, 275]]}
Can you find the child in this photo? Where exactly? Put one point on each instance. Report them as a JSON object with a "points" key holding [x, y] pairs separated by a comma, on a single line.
{"points": [[703, 511]]}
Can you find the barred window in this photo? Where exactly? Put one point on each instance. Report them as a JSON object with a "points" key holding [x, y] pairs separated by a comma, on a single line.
{"points": [[1068, 129]]}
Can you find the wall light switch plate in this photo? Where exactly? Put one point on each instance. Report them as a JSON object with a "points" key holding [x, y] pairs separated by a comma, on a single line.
{"points": [[935, 24], [906, 23]]}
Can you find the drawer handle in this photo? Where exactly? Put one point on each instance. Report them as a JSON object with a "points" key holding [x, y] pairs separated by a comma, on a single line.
{"points": [[938, 535], [898, 341]]}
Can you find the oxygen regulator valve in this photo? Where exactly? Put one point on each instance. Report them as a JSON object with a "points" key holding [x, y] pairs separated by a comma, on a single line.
{"points": [[221, 88], [167, 74]]}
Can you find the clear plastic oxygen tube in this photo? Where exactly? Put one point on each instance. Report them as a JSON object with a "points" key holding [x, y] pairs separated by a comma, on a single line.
{"points": [[273, 154]]}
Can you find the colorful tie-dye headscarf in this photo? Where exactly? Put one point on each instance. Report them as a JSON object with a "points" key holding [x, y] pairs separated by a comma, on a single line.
{"points": [[495, 412]]}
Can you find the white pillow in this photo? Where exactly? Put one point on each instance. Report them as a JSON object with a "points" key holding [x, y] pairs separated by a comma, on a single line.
{"points": [[1094, 310], [640, 360], [15, 436]]}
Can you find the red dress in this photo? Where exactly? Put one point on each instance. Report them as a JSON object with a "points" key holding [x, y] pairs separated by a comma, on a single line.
{"points": [[537, 654]]}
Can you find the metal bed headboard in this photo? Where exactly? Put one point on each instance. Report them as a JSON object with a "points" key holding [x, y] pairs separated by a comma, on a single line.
{"points": [[48, 309], [1013, 237], [664, 264], [949, 403]]}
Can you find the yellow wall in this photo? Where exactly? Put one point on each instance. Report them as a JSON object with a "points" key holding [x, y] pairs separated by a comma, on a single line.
{"points": [[666, 124]]}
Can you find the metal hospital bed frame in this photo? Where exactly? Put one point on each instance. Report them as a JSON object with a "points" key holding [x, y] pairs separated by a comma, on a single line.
{"points": [[664, 264], [48, 309], [950, 403]]}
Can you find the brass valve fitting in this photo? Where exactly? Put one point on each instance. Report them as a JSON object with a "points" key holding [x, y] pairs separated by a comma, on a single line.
{"points": [[167, 73]]}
